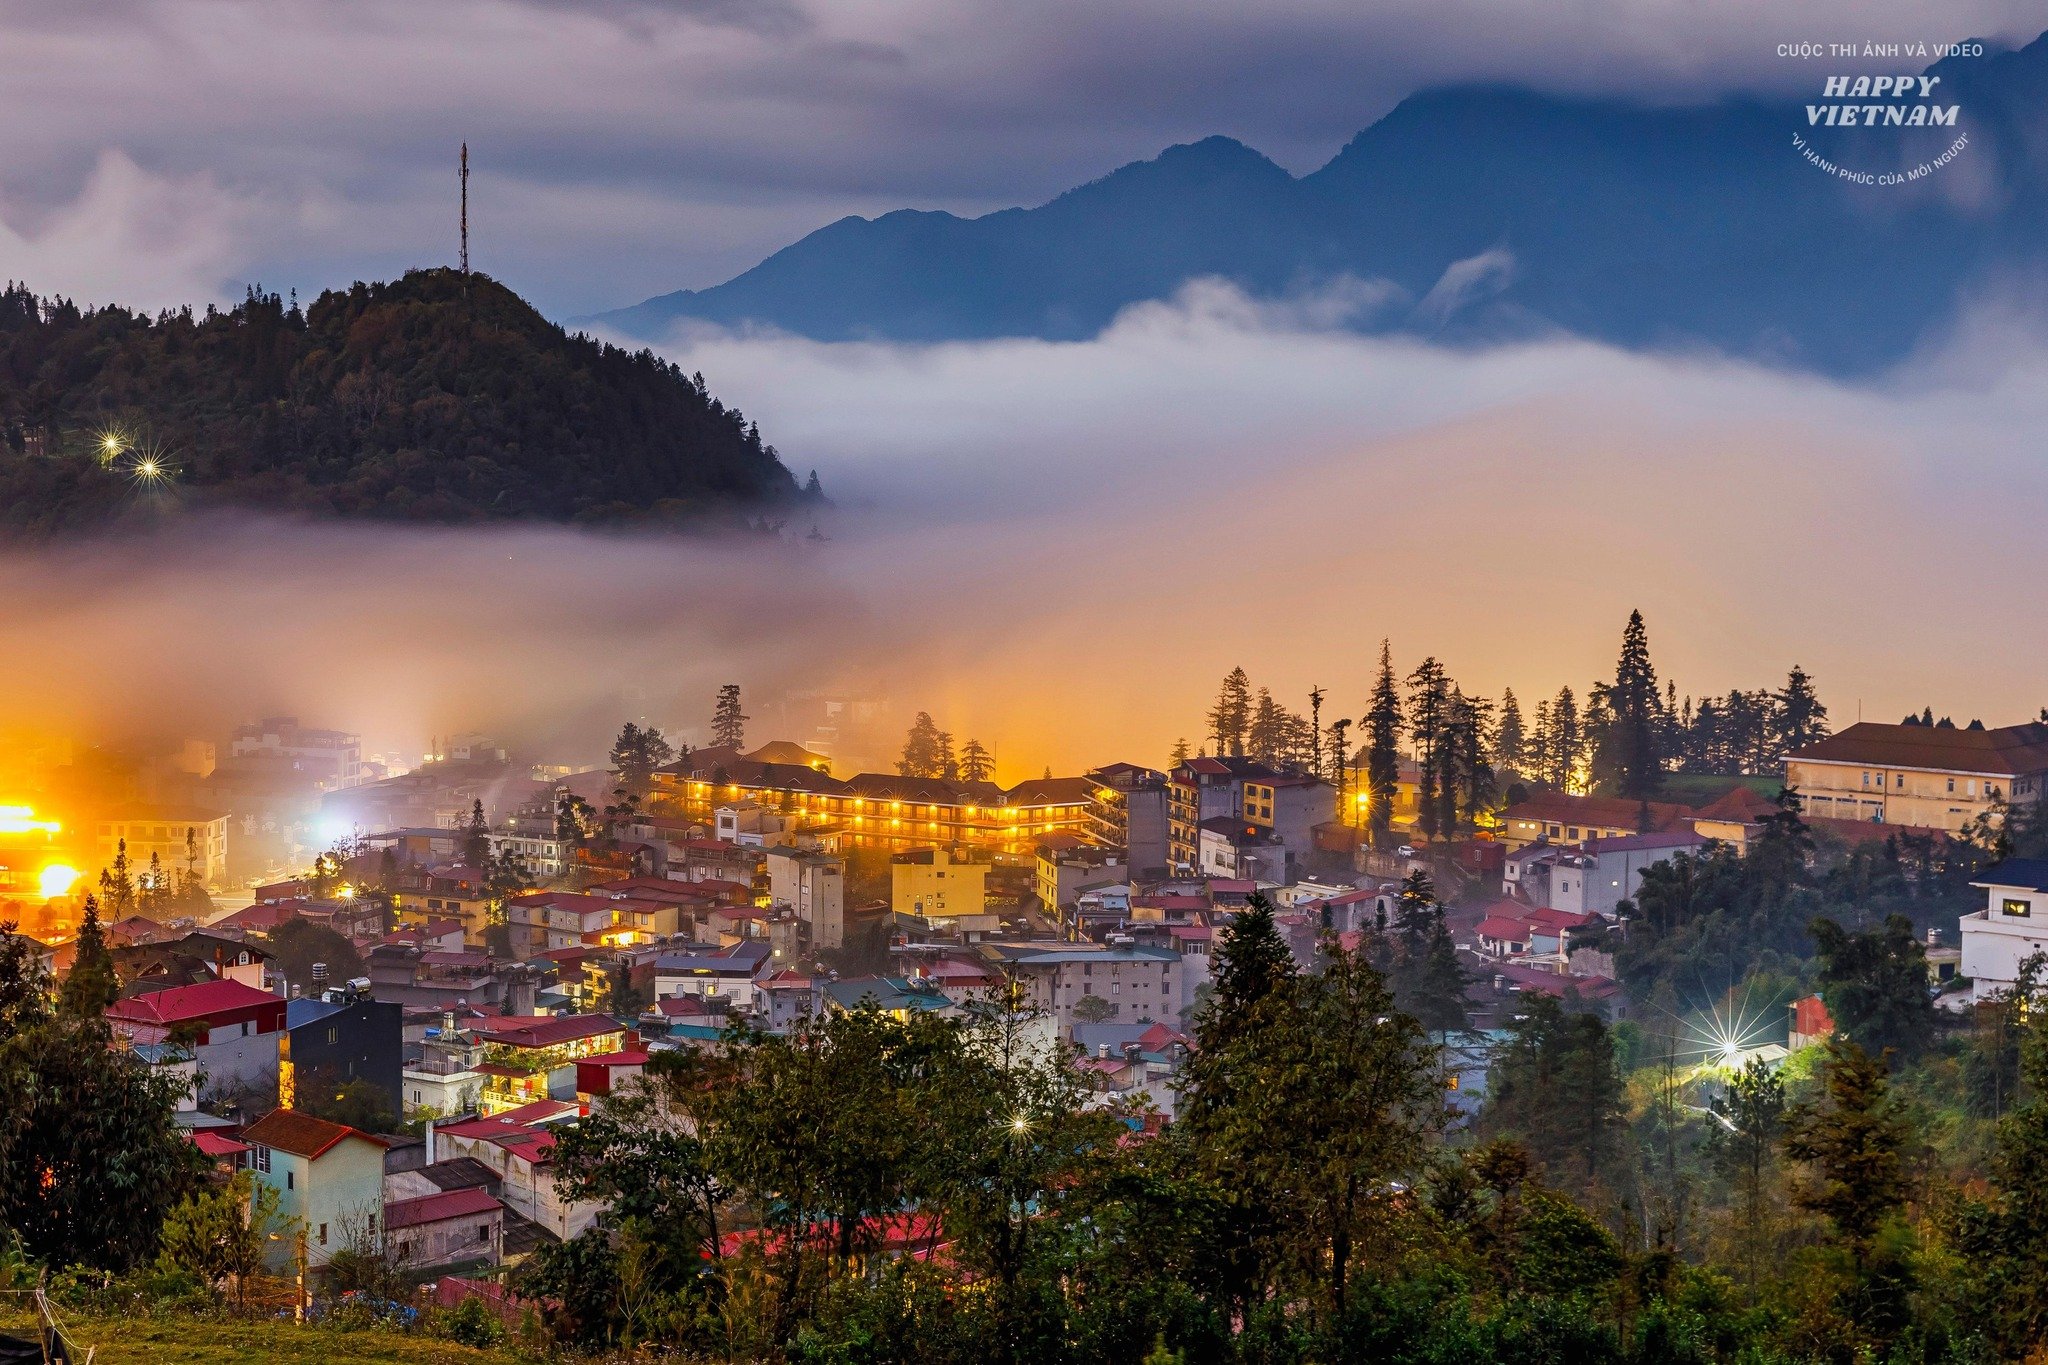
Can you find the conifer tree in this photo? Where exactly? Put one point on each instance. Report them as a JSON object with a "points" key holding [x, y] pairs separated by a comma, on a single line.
{"points": [[1853, 1140], [117, 884], [728, 721], [1230, 717], [91, 985], [1383, 724], [921, 756], [1632, 761], [976, 763], [1429, 701], [1510, 739], [1801, 718]]}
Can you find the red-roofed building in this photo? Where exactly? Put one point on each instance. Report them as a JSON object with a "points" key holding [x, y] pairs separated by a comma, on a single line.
{"points": [[328, 1176], [454, 1227], [607, 1073], [232, 1030], [519, 1146], [533, 1057]]}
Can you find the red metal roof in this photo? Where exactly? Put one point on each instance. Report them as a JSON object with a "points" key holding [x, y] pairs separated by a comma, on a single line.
{"points": [[435, 1208], [288, 1130], [181, 1003], [545, 1030], [214, 1145]]}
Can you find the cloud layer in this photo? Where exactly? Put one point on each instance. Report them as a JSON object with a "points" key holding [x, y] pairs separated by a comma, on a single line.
{"points": [[1059, 548], [628, 147]]}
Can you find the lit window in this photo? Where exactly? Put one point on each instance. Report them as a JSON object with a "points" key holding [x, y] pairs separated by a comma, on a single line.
{"points": [[2016, 908]]}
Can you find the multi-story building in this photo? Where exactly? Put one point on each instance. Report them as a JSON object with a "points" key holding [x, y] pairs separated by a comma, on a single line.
{"points": [[938, 883], [1132, 982], [1067, 868], [1286, 806], [1931, 775], [2012, 927], [333, 758], [1128, 808], [233, 1030], [1562, 818], [813, 885], [878, 810], [173, 836], [329, 1180]]}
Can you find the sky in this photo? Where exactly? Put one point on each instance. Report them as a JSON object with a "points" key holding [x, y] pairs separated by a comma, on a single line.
{"points": [[170, 151], [1057, 548]]}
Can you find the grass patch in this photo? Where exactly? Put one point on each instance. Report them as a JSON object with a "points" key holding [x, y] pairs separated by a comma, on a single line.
{"points": [[179, 1340]]}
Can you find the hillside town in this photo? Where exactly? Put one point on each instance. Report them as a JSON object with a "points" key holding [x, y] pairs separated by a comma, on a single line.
{"points": [[479, 966]]}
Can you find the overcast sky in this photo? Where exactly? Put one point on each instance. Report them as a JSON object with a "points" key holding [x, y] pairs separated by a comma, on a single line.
{"points": [[159, 151]]}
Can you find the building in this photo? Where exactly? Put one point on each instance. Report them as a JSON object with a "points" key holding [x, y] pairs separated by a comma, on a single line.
{"points": [[1131, 983], [2012, 926], [233, 1031], [440, 1083], [730, 974], [1128, 809], [333, 758], [174, 836], [449, 1228], [336, 1042], [1594, 877], [1933, 775], [813, 885], [1237, 849], [1285, 807], [1562, 818], [518, 1146], [533, 1057], [938, 883], [877, 810], [1067, 868], [328, 1176]]}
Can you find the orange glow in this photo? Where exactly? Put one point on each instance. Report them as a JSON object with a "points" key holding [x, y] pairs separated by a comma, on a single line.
{"points": [[22, 820], [56, 880]]}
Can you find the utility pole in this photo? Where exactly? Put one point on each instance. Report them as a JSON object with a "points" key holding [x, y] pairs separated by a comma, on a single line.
{"points": [[465, 208]]}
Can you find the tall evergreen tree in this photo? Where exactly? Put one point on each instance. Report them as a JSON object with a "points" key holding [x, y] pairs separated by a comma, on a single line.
{"points": [[1266, 731], [117, 885], [1853, 1139], [91, 985], [921, 756], [1636, 767], [1510, 738], [1801, 718], [476, 839], [946, 760], [728, 721], [1429, 705], [1231, 716], [976, 763], [1567, 742], [1383, 724]]}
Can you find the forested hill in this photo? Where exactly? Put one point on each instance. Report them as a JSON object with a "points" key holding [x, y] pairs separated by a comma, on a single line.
{"points": [[438, 397]]}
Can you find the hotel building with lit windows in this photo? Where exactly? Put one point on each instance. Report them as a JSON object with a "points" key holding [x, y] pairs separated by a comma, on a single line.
{"points": [[879, 810]]}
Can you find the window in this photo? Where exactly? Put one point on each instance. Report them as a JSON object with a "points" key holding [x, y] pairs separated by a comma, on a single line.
{"points": [[259, 1157], [1951, 784], [323, 1234], [1898, 781], [290, 1183], [2015, 908], [483, 1232]]}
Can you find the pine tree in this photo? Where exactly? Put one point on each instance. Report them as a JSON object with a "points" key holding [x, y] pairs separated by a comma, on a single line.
{"points": [[91, 985], [1180, 753], [1429, 700], [1510, 740], [1801, 718], [1230, 717], [728, 722], [921, 748], [1383, 724], [476, 839], [1262, 735], [1567, 741], [1853, 1141], [947, 762], [976, 763], [117, 885], [1636, 767]]}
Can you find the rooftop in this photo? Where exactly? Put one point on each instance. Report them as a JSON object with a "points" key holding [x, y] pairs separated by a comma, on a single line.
{"points": [[2009, 751], [288, 1130]]}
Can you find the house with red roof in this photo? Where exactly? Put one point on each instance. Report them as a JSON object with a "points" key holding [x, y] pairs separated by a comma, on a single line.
{"points": [[533, 1057], [518, 1146], [232, 1031], [462, 1227], [328, 1176]]}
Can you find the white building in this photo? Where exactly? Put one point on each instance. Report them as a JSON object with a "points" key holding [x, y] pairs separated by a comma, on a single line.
{"points": [[2012, 926]]}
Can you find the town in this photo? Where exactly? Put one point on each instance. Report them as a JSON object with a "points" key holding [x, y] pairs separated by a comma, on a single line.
{"points": [[422, 1033]]}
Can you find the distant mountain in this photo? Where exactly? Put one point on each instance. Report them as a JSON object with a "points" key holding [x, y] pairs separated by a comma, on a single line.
{"points": [[438, 397], [1492, 211]]}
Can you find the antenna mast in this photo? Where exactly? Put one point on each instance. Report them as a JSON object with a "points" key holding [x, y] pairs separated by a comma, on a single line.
{"points": [[465, 208]]}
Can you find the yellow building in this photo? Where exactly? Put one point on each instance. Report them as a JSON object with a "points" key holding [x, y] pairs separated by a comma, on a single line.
{"points": [[1935, 776], [880, 810], [164, 833], [938, 883]]}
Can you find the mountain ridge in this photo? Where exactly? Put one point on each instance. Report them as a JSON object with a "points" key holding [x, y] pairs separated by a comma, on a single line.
{"points": [[1629, 223]]}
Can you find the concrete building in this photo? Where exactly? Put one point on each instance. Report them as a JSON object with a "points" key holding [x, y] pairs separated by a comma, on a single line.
{"points": [[1128, 810], [332, 758], [233, 1031], [1131, 983], [2012, 926], [447, 1228], [1594, 877], [1561, 818], [1066, 870], [1931, 775], [328, 1176], [938, 883], [336, 1042], [813, 885], [173, 835]]}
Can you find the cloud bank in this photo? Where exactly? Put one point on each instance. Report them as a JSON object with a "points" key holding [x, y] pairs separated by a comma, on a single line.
{"points": [[1060, 547]]}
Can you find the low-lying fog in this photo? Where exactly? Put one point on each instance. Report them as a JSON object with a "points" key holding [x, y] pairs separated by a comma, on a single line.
{"points": [[1059, 548]]}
